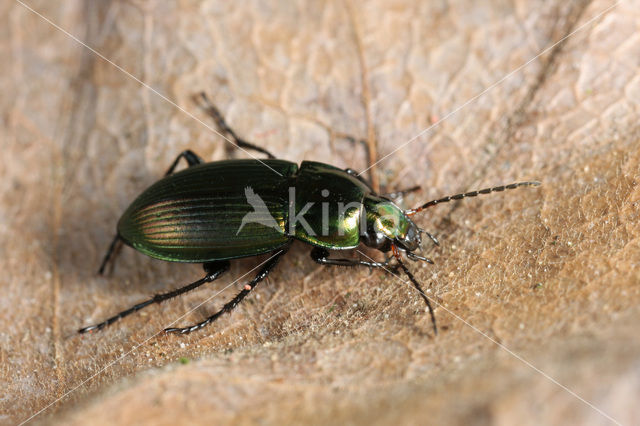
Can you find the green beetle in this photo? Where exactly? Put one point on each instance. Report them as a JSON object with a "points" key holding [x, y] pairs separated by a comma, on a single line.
{"points": [[213, 212]]}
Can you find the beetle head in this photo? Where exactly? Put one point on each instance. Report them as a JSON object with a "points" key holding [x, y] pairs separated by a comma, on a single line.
{"points": [[387, 225]]}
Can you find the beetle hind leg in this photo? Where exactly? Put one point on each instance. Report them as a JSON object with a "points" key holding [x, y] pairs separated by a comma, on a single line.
{"points": [[114, 247], [229, 306], [213, 269]]}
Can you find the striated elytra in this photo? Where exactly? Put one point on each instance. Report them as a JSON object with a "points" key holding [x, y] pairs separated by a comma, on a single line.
{"points": [[213, 212], [199, 214]]}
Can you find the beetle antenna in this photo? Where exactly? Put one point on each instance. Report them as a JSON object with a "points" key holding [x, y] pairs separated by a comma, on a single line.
{"points": [[500, 188], [417, 286]]}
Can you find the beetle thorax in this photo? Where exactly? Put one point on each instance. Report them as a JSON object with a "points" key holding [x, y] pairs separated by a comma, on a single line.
{"points": [[386, 225]]}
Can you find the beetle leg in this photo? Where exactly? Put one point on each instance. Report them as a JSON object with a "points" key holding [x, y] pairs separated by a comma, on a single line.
{"points": [[321, 256], [213, 269], [392, 195], [229, 306], [367, 153], [415, 257], [215, 113], [431, 237], [401, 193], [191, 157], [417, 286], [114, 247]]}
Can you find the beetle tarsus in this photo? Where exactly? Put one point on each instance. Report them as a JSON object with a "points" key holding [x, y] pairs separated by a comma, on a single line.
{"points": [[214, 271], [229, 306]]}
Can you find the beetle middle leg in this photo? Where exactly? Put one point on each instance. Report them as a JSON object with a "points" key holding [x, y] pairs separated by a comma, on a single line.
{"points": [[216, 115], [214, 271], [229, 306]]}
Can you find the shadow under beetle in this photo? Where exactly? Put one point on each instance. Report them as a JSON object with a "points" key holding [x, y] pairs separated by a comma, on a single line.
{"points": [[199, 215]]}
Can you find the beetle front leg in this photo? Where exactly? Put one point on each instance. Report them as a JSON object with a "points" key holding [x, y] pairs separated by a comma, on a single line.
{"points": [[214, 271], [229, 306], [321, 256]]}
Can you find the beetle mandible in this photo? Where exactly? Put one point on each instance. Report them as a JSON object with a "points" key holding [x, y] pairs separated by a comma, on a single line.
{"points": [[211, 213]]}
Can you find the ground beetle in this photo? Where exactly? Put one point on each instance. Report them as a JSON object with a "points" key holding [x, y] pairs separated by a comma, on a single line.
{"points": [[213, 212]]}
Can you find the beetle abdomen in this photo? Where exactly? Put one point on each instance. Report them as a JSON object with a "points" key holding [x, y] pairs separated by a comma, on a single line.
{"points": [[214, 211]]}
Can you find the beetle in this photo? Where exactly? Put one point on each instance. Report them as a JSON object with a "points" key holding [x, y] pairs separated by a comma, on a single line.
{"points": [[211, 213]]}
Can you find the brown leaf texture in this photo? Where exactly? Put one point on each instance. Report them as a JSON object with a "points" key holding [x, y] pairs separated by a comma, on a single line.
{"points": [[537, 289]]}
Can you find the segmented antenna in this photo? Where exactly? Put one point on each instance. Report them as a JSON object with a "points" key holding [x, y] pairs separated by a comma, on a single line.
{"points": [[500, 188]]}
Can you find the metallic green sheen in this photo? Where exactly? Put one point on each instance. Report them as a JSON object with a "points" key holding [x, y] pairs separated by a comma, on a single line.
{"points": [[194, 215], [387, 217], [342, 206]]}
